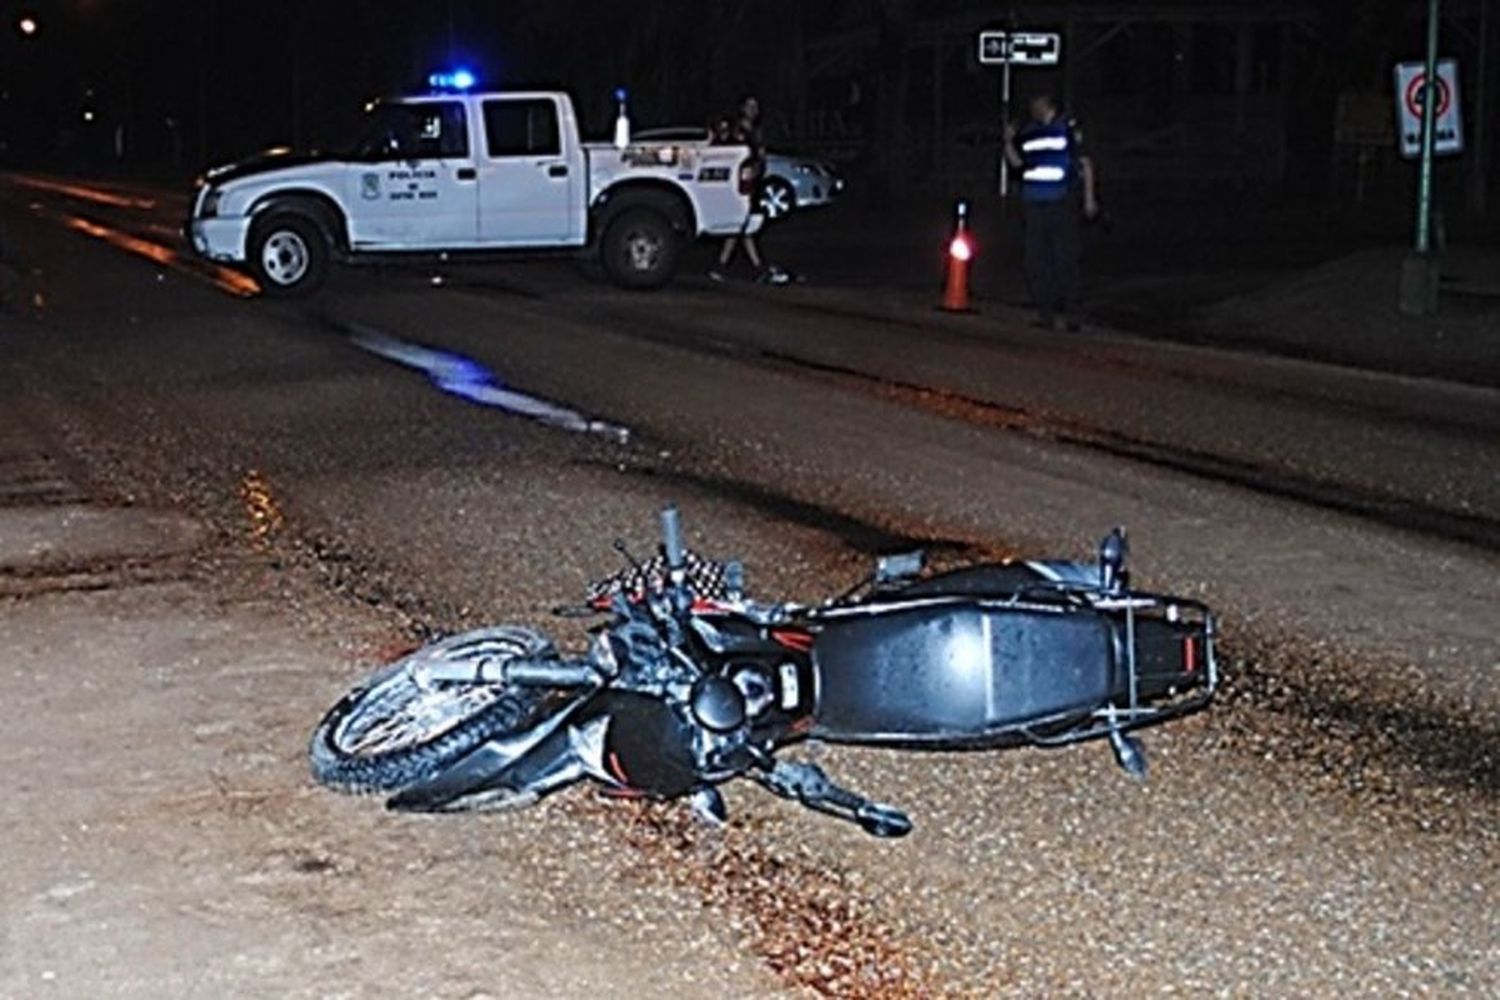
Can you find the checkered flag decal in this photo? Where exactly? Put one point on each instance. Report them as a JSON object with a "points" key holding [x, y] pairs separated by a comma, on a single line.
{"points": [[705, 578]]}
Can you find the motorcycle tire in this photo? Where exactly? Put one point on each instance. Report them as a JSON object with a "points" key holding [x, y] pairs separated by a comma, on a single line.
{"points": [[393, 731]]}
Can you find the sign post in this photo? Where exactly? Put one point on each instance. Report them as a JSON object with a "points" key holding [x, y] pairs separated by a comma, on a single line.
{"points": [[1420, 271], [1016, 48], [1004, 123]]}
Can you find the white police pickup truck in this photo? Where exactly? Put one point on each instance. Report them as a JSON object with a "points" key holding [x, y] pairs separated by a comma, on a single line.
{"points": [[488, 173]]}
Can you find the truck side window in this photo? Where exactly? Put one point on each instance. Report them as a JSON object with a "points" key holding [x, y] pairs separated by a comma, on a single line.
{"points": [[521, 128], [444, 135], [425, 131], [414, 131]]}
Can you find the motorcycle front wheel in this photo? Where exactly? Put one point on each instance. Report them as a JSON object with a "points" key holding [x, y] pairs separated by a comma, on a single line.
{"points": [[400, 726]]}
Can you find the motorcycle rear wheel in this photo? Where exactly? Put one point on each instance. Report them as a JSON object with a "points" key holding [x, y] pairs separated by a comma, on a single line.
{"points": [[396, 728]]}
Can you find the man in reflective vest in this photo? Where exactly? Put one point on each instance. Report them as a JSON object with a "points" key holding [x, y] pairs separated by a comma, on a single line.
{"points": [[1049, 154]]}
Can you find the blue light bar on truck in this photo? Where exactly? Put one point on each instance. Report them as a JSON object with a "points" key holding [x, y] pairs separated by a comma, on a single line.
{"points": [[458, 79]]}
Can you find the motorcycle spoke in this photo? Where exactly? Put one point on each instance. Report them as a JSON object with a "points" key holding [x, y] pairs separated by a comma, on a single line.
{"points": [[421, 719]]}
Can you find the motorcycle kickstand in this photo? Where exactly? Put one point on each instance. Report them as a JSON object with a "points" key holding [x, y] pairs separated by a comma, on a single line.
{"points": [[1130, 754]]}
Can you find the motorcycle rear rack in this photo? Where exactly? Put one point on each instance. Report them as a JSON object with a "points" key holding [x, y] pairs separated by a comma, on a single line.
{"points": [[1115, 718], [1120, 721]]}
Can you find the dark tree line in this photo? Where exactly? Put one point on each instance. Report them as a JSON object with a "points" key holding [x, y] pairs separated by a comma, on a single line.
{"points": [[196, 80]]}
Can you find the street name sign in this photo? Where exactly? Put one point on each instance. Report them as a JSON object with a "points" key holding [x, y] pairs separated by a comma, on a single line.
{"points": [[1020, 48]]}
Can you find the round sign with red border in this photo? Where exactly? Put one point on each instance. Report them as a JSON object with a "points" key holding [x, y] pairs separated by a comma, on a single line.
{"points": [[1415, 90]]}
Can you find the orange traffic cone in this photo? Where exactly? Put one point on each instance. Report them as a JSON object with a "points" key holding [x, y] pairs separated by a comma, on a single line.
{"points": [[960, 252]]}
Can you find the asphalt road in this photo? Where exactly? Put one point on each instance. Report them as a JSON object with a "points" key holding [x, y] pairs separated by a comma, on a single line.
{"points": [[1329, 827]]}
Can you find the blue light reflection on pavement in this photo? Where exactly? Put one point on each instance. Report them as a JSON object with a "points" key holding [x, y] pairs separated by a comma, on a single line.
{"points": [[467, 379]]}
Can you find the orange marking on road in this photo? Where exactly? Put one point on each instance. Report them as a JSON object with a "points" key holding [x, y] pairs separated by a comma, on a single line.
{"points": [[85, 193], [224, 278]]}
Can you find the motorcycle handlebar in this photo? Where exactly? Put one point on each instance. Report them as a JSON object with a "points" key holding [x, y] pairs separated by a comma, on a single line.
{"points": [[548, 673], [522, 673], [540, 673], [671, 536]]}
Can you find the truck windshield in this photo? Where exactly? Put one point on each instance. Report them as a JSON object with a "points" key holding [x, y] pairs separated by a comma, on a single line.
{"points": [[424, 131]]}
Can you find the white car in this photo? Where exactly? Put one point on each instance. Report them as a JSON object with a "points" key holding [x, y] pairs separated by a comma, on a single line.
{"points": [[460, 172], [791, 182]]}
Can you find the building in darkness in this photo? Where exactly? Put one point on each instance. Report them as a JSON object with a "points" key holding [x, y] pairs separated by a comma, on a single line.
{"points": [[1178, 97]]}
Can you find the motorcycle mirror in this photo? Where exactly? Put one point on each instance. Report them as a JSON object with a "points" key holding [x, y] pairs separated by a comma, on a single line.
{"points": [[624, 551], [901, 566]]}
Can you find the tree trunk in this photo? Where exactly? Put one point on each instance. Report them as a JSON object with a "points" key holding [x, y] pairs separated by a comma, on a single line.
{"points": [[891, 84]]}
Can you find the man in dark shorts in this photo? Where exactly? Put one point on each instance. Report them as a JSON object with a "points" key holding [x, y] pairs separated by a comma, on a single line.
{"points": [[746, 131]]}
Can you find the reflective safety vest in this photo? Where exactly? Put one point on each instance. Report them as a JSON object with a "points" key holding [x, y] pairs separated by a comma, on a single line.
{"points": [[1046, 161]]}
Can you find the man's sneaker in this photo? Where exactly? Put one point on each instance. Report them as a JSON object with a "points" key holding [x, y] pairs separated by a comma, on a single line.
{"points": [[715, 274]]}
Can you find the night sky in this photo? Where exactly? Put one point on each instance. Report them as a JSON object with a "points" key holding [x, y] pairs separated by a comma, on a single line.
{"points": [[232, 76]]}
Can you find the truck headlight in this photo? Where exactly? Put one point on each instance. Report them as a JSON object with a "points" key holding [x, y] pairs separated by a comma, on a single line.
{"points": [[210, 205]]}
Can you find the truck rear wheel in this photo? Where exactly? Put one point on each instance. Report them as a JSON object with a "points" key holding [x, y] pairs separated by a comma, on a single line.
{"points": [[640, 248], [288, 254]]}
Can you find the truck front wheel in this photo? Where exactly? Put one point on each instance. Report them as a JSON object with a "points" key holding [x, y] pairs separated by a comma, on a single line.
{"points": [[640, 249], [288, 254]]}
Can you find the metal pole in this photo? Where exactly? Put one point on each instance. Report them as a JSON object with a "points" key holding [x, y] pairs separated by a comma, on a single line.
{"points": [[206, 46], [295, 68], [1478, 199], [1421, 271], [939, 147], [1429, 123], [1004, 121]]}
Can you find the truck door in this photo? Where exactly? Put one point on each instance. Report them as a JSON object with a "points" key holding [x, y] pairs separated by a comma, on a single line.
{"points": [[528, 188], [414, 185]]}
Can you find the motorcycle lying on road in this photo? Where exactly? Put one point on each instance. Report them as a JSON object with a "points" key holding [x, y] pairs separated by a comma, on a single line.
{"points": [[690, 684]]}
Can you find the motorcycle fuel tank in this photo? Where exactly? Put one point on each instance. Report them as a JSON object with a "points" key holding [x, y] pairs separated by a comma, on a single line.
{"points": [[959, 673]]}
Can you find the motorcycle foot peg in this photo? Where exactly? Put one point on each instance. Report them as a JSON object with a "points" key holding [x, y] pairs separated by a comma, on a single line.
{"points": [[883, 821], [1129, 754], [708, 805]]}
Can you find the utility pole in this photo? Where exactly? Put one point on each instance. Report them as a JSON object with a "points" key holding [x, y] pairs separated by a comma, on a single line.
{"points": [[1479, 180], [1421, 271], [207, 33]]}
